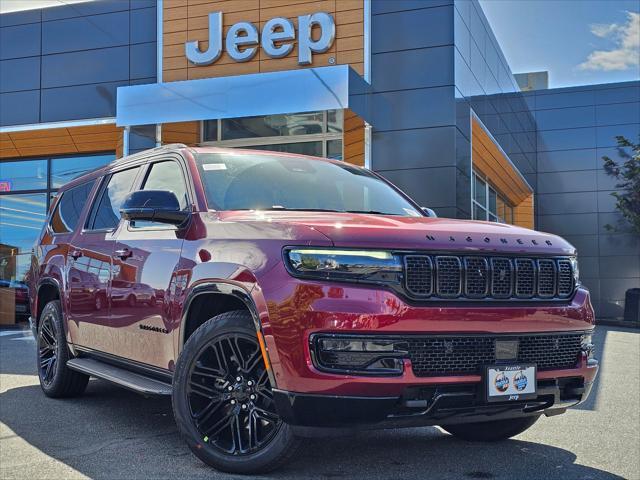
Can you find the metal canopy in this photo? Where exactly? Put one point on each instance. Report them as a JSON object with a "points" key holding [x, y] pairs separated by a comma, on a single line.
{"points": [[302, 90]]}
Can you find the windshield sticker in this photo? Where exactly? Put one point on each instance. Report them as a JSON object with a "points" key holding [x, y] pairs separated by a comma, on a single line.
{"points": [[214, 166]]}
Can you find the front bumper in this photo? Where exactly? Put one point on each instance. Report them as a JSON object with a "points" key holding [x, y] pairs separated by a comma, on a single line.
{"points": [[311, 414]]}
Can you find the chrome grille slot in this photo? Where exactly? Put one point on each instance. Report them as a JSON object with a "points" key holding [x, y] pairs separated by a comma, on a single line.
{"points": [[565, 278], [501, 277], [476, 277], [449, 276], [546, 278], [525, 278], [419, 275]]}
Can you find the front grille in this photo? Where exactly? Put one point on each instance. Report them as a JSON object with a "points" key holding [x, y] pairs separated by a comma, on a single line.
{"points": [[451, 355], [480, 277]]}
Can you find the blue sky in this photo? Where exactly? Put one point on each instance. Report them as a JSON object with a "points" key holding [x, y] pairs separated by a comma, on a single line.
{"points": [[578, 41]]}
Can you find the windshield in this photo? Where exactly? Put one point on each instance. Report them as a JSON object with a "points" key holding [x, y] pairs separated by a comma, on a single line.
{"points": [[272, 182]]}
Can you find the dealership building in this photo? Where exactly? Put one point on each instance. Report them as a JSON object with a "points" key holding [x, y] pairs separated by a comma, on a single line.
{"points": [[416, 90]]}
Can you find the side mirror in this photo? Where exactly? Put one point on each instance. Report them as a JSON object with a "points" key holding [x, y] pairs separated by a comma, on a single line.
{"points": [[429, 213], [153, 206]]}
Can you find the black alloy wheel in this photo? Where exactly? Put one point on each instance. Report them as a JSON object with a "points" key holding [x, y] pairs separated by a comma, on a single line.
{"points": [[48, 349], [223, 399], [229, 395], [56, 379]]}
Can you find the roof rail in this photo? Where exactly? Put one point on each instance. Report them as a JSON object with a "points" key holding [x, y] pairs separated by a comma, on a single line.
{"points": [[133, 156]]}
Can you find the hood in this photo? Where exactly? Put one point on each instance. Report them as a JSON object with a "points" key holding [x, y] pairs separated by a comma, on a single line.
{"points": [[414, 233]]}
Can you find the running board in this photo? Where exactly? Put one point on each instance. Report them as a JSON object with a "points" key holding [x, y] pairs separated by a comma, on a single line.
{"points": [[129, 380]]}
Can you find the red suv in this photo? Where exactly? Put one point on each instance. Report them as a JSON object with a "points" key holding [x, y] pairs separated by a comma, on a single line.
{"points": [[276, 296]]}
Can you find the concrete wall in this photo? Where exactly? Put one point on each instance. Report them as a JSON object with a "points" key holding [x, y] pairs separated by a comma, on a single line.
{"points": [[65, 63], [576, 127]]}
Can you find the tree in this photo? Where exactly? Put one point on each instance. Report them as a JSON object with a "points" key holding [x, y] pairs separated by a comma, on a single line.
{"points": [[627, 175]]}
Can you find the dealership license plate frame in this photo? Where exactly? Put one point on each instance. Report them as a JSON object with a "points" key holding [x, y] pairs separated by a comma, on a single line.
{"points": [[530, 370]]}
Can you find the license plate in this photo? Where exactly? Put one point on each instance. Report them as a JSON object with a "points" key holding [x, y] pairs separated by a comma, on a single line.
{"points": [[510, 382]]}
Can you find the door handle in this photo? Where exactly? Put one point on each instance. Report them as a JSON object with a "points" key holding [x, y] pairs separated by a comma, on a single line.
{"points": [[123, 253], [76, 254]]}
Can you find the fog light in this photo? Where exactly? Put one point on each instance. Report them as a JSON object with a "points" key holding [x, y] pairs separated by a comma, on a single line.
{"points": [[368, 356], [587, 345]]}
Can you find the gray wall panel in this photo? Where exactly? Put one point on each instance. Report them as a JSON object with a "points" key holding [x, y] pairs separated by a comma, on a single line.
{"points": [[580, 181], [429, 27], [569, 224], [606, 136], [434, 187], [406, 109], [19, 74], [620, 266], [563, 160], [77, 68], [142, 61], [84, 9], [379, 7], [619, 244], [20, 18], [435, 69], [143, 25], [562, 118], [83, 101], [20, 41], [555, 203], [430, 147], [629, 93], [20, 108], [617, 113], [85, 33], [587, 245], [574, 138]]}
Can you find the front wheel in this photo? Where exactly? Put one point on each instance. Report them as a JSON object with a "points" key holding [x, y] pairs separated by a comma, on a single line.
{"points": [[491, 431], [223, 402]]}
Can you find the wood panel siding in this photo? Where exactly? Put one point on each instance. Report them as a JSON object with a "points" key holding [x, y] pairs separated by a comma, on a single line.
{"points": [[187, 20], [60, 141], [489, 160], [353, 139], [182, 132]]}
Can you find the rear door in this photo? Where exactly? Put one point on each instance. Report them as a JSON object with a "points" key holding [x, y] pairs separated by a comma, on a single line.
{"points": [[145, 260], [90, 264]]}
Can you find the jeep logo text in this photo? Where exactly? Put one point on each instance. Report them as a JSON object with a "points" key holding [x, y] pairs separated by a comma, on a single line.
{"points": [[241, 42]]}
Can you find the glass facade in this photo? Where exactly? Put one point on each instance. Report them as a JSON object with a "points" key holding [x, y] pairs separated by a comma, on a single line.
{"points": [[310, 133], [27, 189], [488, 204]]}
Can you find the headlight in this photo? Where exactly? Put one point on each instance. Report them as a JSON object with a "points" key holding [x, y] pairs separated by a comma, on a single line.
{"points": [[369, 266], [576, 271]]}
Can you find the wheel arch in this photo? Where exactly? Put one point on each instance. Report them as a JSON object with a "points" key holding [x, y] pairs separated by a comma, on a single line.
{"points": [[231, 297], [48, 289]]}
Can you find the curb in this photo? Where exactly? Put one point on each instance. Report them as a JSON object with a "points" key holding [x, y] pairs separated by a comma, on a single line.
{"points": [[618, 323]]}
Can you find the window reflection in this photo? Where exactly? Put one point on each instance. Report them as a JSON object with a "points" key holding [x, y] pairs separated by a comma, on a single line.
{"points": [[24, 175], [21, 219], [64, 170]]}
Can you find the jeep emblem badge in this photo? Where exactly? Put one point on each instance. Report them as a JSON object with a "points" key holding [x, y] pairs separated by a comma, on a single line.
{"points": [[243, 37]]}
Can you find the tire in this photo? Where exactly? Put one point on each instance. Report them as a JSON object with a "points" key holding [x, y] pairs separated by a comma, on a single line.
{"points": [[491, 431], [56, 379], [209, 389]]}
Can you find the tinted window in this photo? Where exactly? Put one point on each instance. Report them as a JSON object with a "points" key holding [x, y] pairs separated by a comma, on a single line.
{"points": [[274, 182], [67, 213], [167, 176], [106, 214]]}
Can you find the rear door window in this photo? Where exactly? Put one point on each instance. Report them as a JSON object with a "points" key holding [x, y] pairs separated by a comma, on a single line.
{"points": [[66, 216], [105, 214]]}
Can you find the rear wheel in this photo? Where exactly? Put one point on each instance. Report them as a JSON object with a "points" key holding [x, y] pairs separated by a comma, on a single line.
{"points": [[223, 402], [56, 379], [491, 431]]}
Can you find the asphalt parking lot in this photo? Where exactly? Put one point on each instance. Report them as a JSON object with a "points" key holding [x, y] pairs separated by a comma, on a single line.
{"points": [[111, 433]]}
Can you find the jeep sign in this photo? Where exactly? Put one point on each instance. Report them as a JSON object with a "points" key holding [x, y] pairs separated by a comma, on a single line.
{"points": [[243, 37]]}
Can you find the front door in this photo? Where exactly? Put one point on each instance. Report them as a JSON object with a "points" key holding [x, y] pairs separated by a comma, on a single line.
{"points": [[90, 265], [145, 260]]}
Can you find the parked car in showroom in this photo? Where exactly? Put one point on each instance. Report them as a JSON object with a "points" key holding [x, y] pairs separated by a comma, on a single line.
{"points": [[301, 296]]}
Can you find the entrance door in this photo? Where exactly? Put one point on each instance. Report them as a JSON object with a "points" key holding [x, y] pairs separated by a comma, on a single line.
{"points": [[90, 265], [145, 260]]}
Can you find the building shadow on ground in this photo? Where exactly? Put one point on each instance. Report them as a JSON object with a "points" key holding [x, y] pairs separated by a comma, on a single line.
{"points": [[112, 433]]}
